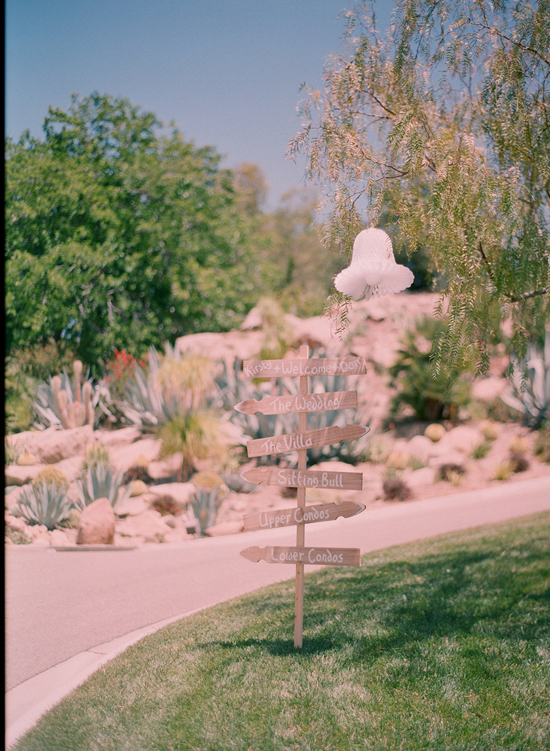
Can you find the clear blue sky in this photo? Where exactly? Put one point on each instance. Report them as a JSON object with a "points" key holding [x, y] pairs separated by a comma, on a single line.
{"points": [[227, 72]]}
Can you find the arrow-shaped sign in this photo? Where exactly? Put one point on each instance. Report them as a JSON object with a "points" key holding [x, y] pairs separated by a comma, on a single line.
{"points": [[290, 517], [299, 478], [282, 405], [309, 439], [297, 367], [315, 556]]}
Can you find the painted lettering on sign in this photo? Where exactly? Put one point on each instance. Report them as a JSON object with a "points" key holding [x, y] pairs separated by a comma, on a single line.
{"points": [[298, 478], [282, 405], [298, 441], [314, 556], [298, 367], [307, 515]]}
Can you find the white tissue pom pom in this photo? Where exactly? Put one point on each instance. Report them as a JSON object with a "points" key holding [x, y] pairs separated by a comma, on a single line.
{"points": [[373, 270]]}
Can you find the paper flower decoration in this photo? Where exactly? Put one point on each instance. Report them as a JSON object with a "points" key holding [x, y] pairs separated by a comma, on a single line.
{"points": [[373, 270]]}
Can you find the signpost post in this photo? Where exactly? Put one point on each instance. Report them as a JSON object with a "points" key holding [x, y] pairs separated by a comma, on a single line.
{"points": [[302, 478]]}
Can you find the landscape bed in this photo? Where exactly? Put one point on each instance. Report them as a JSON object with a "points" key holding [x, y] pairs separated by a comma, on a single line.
{"points": [[440, 644]]}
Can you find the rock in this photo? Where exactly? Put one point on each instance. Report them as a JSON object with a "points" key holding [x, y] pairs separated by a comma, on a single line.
{"points": [[435, 432], [97, 524], [398, 460], [448, 456], [420, 477], [166, 468], [226, 346], [26, 460], [59, 539], [463, 439], [17, 524], [333, 467], [71, 467], [315, 332], [13, 494], [488, 389], [124, 457], [131, 507], [16, 475], [226, 528], [148, 525], [179, 491], [122, 437], [52, 445], [420, 447], [138, 487], [38, 531]]}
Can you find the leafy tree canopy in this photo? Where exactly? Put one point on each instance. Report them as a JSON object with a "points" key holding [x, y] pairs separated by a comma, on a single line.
{"points": [[444, 124], [120, 234]]}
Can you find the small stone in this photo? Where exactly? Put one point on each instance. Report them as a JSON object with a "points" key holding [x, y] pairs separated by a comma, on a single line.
{"points": [[131, 507], [97, 524], [138, 488], [27, 460], [435, 432]]}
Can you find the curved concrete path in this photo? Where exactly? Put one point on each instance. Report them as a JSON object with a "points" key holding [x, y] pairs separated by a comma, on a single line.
{"points": [[70, 612]]}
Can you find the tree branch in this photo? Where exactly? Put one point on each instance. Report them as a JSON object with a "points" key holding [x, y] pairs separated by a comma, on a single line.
{"points": [[527, 295]]}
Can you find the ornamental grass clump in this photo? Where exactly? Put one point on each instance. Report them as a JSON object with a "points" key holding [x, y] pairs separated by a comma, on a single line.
{"points": [[44, 503]]}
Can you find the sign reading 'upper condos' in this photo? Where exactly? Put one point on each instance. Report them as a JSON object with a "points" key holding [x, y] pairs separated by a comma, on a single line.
{"points": [[327, 366], [310, 439], [290, 517]]}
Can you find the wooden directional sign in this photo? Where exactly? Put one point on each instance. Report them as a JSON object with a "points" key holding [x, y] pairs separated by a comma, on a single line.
{"points": [[298, 478], [312, 367], [278, 444], [316, 556], [290, 517], [282, 405]]}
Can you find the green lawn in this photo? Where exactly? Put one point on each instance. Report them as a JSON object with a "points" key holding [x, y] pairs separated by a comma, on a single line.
{"points": [[440, 644]]}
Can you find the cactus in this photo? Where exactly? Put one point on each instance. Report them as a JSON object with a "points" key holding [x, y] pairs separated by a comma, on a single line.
{"points": [[51, 475], [65, 403], [45, 503]]}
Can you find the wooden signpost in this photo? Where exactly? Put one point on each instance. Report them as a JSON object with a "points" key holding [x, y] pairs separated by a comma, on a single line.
{"points": [[302, 478]]}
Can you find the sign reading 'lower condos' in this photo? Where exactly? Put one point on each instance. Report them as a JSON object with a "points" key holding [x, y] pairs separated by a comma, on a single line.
{"points": [[302, 478]]}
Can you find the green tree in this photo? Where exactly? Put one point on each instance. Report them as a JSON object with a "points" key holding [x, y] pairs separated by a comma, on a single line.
{"points": [[444, 122], [120, 234]]}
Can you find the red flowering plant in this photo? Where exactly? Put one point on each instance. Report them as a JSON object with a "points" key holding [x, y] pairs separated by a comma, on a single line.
{"points": [[119, 372]]}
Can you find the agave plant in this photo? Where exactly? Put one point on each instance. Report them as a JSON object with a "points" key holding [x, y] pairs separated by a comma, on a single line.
{"points": [[45, 503], [206, 504], [100, 480], [529, 383]]}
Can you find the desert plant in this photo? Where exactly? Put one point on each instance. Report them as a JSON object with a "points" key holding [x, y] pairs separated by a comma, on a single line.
{"points": [[51, 475], [503, 470], [431, 395], [101, 481], [11, 451], [68, 403], [520, 463], [95, 453], [396, 489], [542, 444], [206, 504], [17, 537], [44, 503], [481, 450], [166, 505], [137, 471], [450, 472], [278, 335], [489, 430], [196, 436], [379, 448], [518, 445], [416, 463], [529, 383]]}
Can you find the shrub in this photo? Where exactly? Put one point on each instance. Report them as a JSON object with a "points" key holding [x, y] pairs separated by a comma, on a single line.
{"points": [[503, 470], [481, 450], [101, 481], [17, 537], [197, 436], [529, 383], [44, 503], [51, 475], [542, 444], [431, 395], [95, 453], [12, 451], [26, 460], [137, 472], [519, 462], [165, 505], [488, 430], [379, 448], [450, 472], [518, 445], [396, 489]]}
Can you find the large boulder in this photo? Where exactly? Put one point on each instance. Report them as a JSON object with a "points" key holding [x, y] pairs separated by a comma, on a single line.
{"points": [[420, 447], [225, 528], [148, 526], [97, 524], [53, 445], [15, 475], [463, 438]]}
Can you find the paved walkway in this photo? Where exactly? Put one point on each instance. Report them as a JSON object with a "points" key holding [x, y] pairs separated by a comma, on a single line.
{"points": [[70, 612]]}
